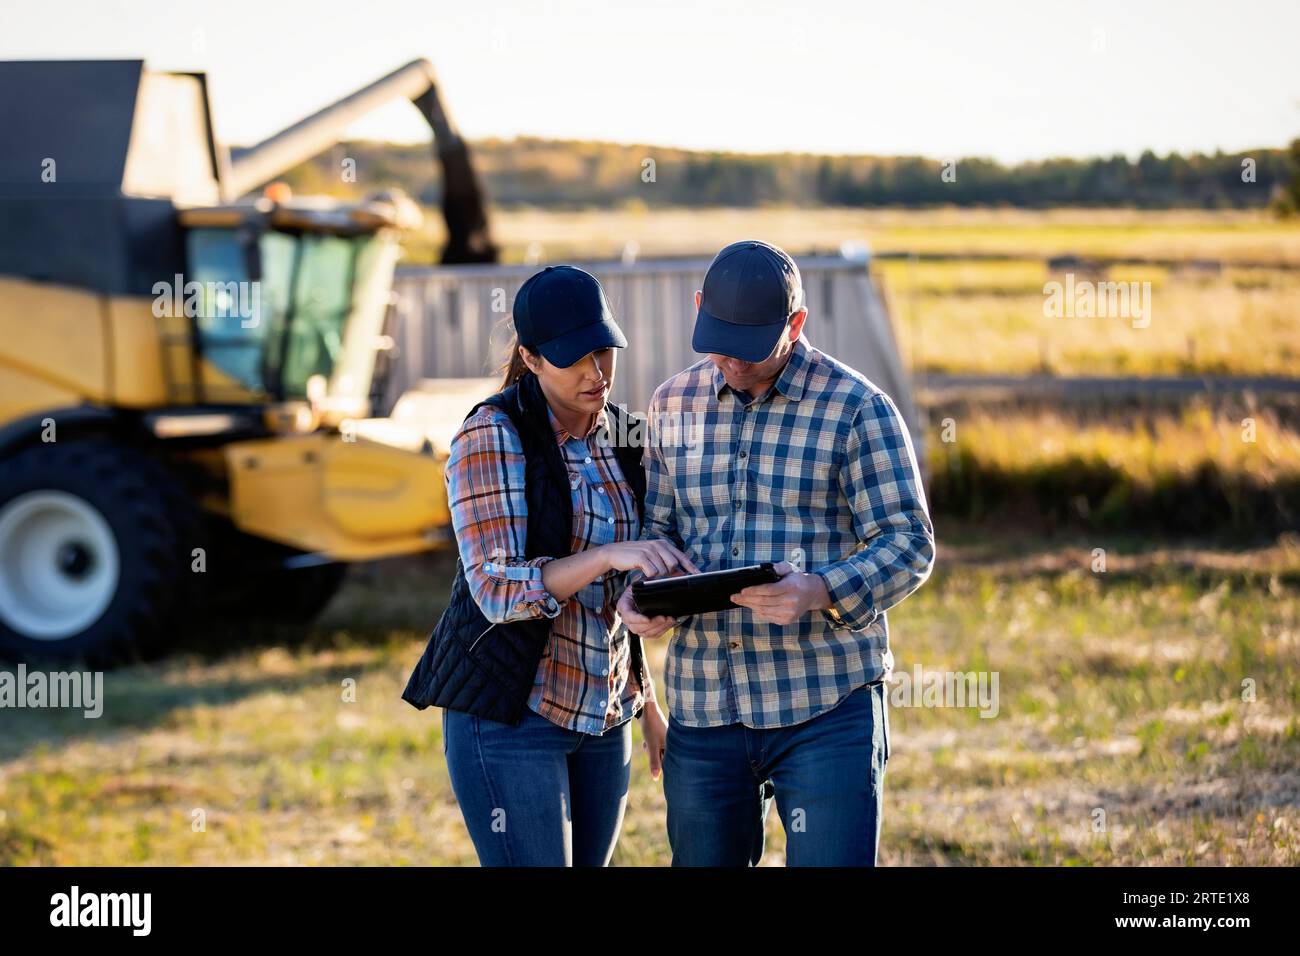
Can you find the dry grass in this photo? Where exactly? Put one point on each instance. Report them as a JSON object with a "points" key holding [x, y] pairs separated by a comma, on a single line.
{"points": [[990, 318], [1147, 448], [1204, 468], [1124, 737]]}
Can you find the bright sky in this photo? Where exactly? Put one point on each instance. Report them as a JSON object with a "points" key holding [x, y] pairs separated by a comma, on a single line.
{"points": [[1011, 80]]}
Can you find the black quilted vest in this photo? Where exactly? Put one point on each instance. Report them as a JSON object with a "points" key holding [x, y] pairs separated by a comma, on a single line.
{"points": [[486, 669]]}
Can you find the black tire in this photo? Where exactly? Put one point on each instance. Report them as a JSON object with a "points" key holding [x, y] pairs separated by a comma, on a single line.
{"points": [[152, 525], [255, 580], [295, 595]]}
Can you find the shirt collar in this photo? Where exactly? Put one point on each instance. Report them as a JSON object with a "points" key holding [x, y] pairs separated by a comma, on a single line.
{"points": [[793, 378], [562, 434]]}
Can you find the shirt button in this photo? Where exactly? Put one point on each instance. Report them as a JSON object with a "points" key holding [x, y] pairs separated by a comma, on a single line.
{"points": [[605, 672], [602, 703], [611, 520], [735, 551], [735, 645], [586, 461], [600, 491], [738, 505], [744, 454]]}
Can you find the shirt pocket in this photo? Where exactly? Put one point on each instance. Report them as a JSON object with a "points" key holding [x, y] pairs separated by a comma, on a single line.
{"points": [[577, 493], [599, 522], [708, 494]]}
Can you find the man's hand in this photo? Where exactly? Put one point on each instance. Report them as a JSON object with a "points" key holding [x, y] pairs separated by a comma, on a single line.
{"points": [[787, 600], [637, 622]]}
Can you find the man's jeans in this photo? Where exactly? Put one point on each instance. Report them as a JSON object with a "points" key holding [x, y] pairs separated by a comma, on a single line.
{"points": [[537, 794], [827, 773]]}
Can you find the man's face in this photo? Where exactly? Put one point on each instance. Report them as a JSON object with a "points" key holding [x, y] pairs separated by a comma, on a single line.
{"points": [[756, 377], [748, 376]]}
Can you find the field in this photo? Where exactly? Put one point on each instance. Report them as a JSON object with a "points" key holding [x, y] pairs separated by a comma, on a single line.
{"points": [[1227, 466], [980, 317], [1233, 236], [1120, 692]]}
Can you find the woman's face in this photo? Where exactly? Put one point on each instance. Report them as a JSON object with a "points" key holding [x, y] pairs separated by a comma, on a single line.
{"points": [[583, 387]]}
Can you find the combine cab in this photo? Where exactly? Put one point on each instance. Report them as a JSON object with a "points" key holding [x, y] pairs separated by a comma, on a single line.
{"points": [[186, 375]]}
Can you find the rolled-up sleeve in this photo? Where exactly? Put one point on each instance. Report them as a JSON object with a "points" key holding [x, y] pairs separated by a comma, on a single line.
{"points": [[489, 513], [881, 481]]}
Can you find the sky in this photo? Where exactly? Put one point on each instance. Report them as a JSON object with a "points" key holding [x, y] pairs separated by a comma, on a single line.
{"points": [[1008, 80]]}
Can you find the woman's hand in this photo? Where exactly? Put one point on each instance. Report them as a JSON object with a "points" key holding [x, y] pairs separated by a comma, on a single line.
{"points": [[637, 622], [654, 736], [655, 558], [565, 577]]}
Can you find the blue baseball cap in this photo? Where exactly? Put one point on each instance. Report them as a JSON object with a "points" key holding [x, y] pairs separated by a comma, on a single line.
{"points": [[563, 313], [750, 291]]}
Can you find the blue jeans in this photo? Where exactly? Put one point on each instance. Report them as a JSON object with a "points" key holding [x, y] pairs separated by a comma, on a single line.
{"points": [[827, 774], [537, 794]]}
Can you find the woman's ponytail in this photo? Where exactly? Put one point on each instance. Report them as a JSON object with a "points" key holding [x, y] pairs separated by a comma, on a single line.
{"points": [[513, 369]]}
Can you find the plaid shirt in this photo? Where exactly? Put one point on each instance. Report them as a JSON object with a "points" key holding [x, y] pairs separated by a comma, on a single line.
{"points": [[585, 680], [820, 472]]}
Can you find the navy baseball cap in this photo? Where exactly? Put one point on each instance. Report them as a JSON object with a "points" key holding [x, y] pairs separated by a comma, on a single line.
{"points": [[562, 312], [750, 291]]}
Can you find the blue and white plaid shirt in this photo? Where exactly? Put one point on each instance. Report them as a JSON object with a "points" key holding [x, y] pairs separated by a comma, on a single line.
{"points": [[821, 472]]}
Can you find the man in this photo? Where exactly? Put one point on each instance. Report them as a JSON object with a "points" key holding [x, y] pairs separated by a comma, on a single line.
{"points": [[797, 459]]}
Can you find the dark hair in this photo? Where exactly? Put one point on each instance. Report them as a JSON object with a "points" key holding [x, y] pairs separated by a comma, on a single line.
{"points": [[513, 369]]}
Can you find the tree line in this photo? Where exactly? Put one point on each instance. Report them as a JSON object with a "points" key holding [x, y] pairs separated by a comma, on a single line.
{"points": [[562, 173]]}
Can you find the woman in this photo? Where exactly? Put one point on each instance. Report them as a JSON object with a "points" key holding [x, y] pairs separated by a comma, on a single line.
{"points": [[537, 683]]}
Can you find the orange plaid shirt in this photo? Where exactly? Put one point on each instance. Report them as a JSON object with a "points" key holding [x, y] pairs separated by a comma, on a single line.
{"points": [[585, 681]]}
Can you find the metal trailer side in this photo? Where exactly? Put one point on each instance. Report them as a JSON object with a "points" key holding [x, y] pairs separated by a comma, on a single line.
{"points": [[453, 323]]}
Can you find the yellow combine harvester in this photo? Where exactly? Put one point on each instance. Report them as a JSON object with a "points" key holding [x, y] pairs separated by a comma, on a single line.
{"points": [[185, 375]]}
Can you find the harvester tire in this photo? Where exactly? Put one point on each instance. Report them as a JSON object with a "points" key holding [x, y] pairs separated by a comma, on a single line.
{"points": [[95, 546]]}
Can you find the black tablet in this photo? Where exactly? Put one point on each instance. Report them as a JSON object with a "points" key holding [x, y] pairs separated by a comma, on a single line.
{"points": [[698, 593]]}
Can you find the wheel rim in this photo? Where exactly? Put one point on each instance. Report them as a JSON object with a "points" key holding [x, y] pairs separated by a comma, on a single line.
{"points": [[59, 565]]}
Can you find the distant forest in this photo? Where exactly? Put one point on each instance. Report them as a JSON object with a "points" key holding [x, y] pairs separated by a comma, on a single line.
{"points": [[558, 173]]}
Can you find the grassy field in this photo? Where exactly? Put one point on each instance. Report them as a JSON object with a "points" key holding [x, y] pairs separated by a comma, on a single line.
{"points": [[1224, 466], [979, 317], [1119, 692]]}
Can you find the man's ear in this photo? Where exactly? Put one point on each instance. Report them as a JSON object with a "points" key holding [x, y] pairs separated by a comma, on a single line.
{"points": [[796, 323], [699, 297]]}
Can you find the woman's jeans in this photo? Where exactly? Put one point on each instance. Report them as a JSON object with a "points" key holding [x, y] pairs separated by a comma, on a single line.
{"points": [[828, 775], [537, 794]]}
